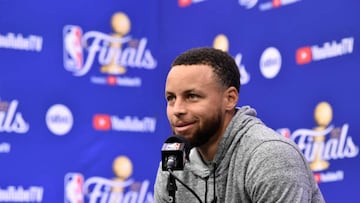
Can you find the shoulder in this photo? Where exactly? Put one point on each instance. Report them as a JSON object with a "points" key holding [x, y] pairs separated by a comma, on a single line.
{"points": [[264, 144], [262, 149], [260, 137]]}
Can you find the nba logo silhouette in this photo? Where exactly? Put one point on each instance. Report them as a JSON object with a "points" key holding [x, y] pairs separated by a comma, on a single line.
{"points": [[73, 52], [74, 188]]}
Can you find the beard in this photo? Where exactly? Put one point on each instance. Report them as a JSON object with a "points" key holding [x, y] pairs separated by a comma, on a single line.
{"points": [[207, 131]]}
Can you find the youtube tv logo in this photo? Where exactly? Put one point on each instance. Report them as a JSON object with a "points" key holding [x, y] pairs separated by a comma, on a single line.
{"points": [[276, 3], [328, 50], [303, 55], [186, 3], [329, 176], [317, 177], [102, 122], [111, 80], [106, 122]]}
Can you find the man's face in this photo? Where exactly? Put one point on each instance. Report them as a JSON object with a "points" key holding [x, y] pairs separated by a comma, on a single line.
{"points": [[195, 101]]}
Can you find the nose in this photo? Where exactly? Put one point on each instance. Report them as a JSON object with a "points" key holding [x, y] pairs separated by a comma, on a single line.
{"points": [[179, 107]]}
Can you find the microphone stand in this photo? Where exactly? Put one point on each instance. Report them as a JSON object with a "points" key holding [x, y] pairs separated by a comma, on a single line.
{"points": [[171, 187]]}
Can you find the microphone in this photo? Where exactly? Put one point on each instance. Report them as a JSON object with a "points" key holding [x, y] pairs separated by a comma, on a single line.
{"points": [[174, 153]]}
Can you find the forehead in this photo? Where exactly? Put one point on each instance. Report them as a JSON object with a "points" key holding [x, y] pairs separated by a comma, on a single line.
{"points": [[190, 72], [183, 77]]}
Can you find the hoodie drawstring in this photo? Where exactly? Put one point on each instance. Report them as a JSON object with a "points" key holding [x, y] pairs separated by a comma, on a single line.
{"points": [[214, 188], [214, 193]]}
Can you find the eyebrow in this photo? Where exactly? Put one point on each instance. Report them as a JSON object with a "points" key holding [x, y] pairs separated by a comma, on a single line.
{"points": [[184, 92]]}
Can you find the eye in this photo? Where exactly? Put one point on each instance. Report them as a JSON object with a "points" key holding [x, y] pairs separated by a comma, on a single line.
{"points": [[192, 96], [170, 98]]}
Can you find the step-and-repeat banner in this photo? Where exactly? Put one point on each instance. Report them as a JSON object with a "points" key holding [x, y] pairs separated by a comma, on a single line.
{"points": [[82, 107]]}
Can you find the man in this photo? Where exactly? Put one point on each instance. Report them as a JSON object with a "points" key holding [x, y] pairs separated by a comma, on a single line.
{"points": [[236, 158]]}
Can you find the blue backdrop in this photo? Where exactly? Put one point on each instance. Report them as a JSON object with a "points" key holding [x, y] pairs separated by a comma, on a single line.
{"points": [[82, 108]]}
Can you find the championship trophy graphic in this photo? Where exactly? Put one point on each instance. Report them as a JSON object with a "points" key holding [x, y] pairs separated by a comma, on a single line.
{"points": [[221, 42], [120, 23], [323, 116], [123, 169]]}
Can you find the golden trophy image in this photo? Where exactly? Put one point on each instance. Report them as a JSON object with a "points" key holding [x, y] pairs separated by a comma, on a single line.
{"points": [[221, 42], [120, 23], [123, 169], [323, 115]]}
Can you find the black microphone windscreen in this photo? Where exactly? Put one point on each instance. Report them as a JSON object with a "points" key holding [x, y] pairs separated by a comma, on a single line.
{"points": [[175, 148]]}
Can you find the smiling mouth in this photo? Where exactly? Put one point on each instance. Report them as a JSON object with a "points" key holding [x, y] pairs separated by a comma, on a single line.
{"points": [[181, 128]]}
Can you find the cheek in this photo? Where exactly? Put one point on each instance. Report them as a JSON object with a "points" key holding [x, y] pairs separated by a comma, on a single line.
{"points": [[202, 112], [210, 106], [211, 111]]}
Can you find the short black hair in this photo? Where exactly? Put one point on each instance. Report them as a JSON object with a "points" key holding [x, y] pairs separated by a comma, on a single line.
{"points": [[221, 62]]}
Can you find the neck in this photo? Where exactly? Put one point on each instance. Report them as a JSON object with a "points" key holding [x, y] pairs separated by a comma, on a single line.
{"points": [[208, 150]]}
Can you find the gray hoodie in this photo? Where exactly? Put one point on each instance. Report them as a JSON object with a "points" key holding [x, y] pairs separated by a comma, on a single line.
{"points": [[252, 164]]}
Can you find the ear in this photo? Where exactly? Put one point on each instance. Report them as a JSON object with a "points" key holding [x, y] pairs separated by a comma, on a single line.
{"points": [[231, 96]]}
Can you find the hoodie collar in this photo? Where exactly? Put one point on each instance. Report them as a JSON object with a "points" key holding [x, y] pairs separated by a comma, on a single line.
{"points": [[242, 120]]}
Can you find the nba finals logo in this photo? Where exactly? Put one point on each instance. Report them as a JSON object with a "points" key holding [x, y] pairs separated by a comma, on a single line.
{"points": [[119, 189], [323, 143], [116, 52], [10, 119]]}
